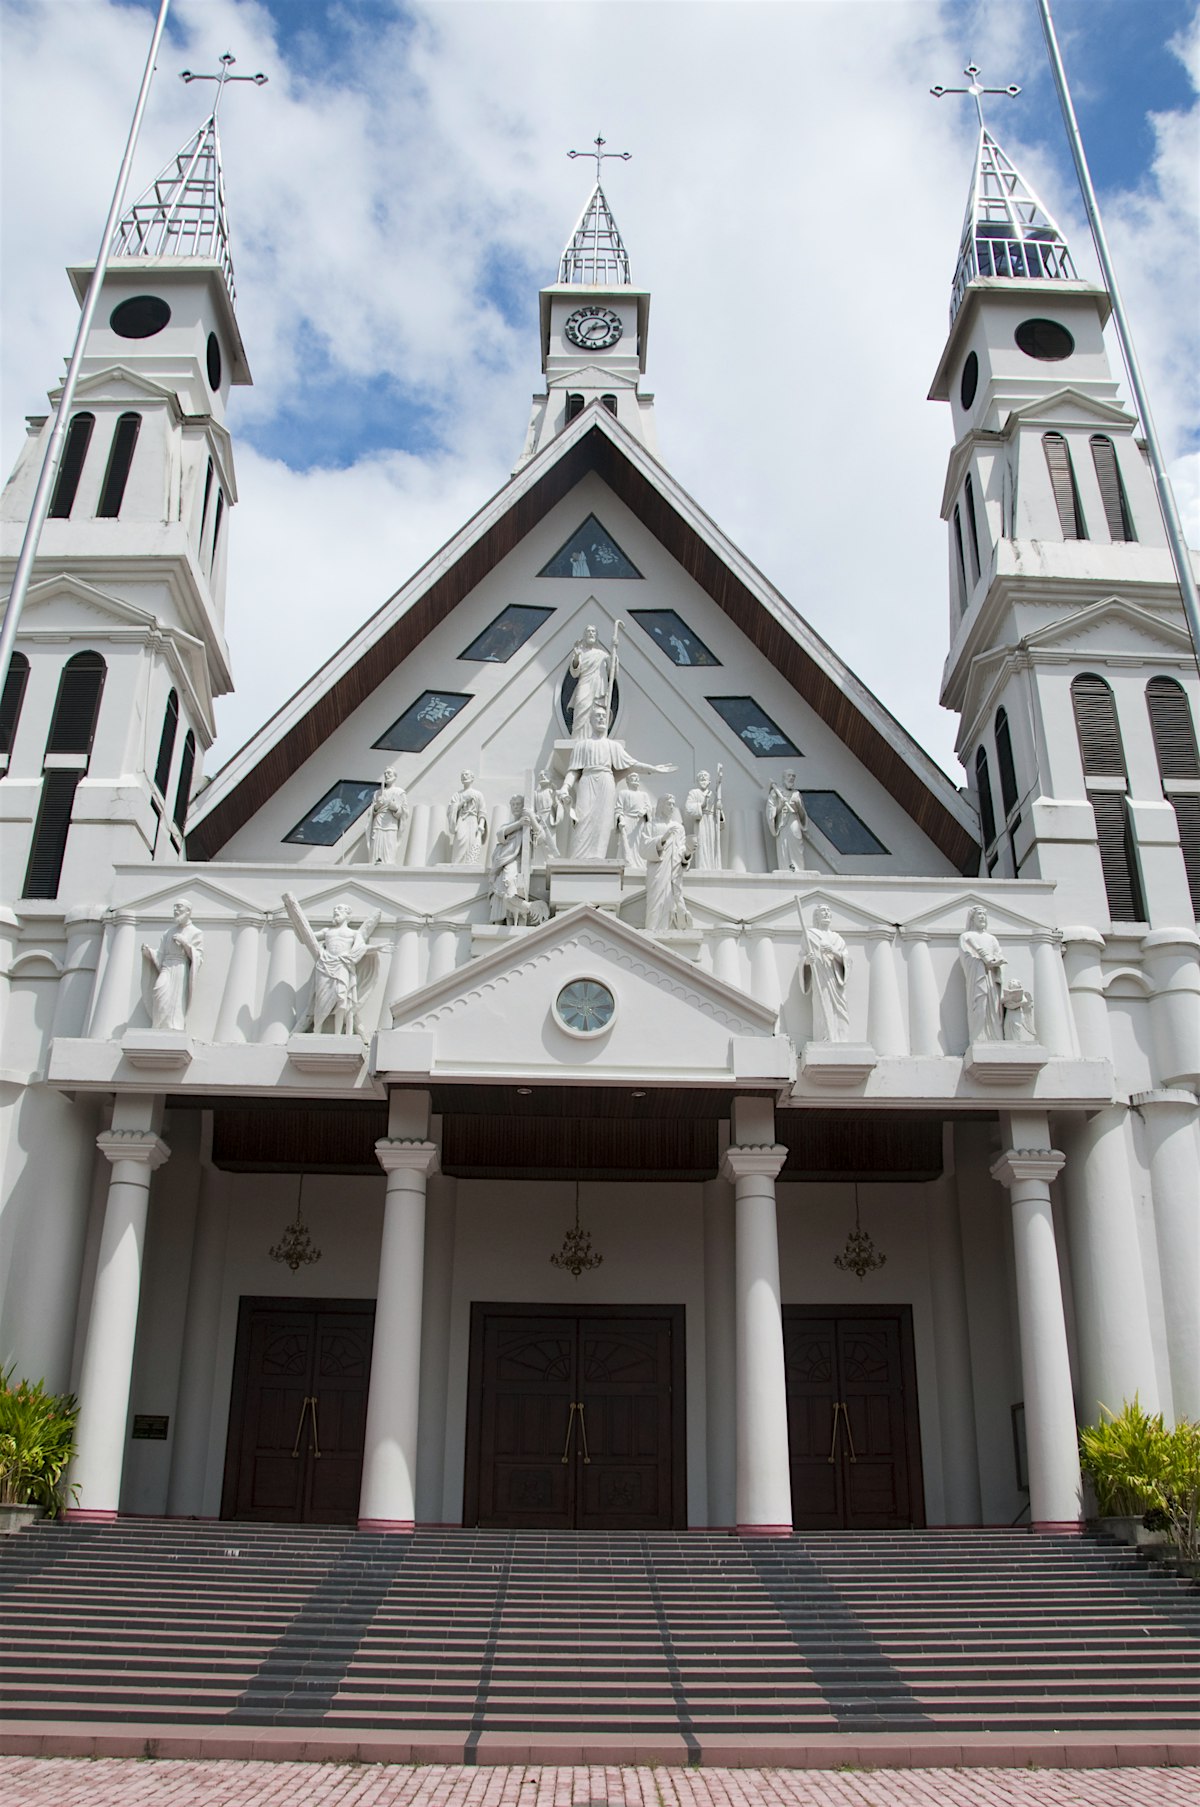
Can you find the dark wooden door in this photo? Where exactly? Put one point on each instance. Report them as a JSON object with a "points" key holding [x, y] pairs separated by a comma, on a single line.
{"points": [[575, 1418], [852, 1418], [298, 1411]]}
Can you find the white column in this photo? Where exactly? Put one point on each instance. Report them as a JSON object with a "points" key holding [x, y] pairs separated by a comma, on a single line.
{"points": [[885, 1017], [239, 997], [279, 1002], [389, 1495], [114, 999], [1172, 1120], [85, 927], [1116, 1350], [764, 972], [415, 853], [720, 1357], [112, 1327], [441, 1211], [443, 955], [1173, 964], [764, 1487], [193, 1405], [924, 1000], [405, 970], [1055, 1487], [1051, 1002], [727, 964]]}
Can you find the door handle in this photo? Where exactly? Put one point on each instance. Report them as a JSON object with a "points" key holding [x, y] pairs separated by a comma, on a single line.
{"points": [[837, 1406], [316, 1442], [583, 1433], [849, 1432], [304, 1403], [570, 1422]]}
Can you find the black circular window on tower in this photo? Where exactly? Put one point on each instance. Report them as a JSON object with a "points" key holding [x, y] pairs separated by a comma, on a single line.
{"points": [[1044, 339], [140, 317], [970, 380], [213, 355]]}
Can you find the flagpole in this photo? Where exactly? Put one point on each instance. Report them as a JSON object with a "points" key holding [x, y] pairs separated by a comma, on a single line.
{"points": [[1162, 482], [53, 452]]}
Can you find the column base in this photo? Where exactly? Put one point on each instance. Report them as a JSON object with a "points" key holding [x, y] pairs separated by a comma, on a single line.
{"points": [[89, 1515], [386, 1524], [1059, 1527], [764, 1530]]}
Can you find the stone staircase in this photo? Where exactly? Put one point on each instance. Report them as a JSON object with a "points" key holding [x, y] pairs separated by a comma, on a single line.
{"points": [[461, 1635]]}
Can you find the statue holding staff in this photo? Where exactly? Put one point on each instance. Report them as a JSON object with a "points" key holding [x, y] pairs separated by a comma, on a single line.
{"points": [[787, 820], [590, 666], [510, 902], [702, 807], [175, 964], [466, 819], [634, 810], [386, 820], [823, 969]]}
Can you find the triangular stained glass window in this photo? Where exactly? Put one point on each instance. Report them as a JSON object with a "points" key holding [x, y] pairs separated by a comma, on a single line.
{"points": [[591, 552]]}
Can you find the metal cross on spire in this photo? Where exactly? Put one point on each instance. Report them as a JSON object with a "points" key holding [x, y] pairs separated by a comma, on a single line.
{"points": [[600, 154], [975, 89], [223, 76]]}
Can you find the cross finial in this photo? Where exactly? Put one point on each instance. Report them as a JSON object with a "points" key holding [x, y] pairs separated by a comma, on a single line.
{"points": [[600, 154], [975, 89], [223, 76]]}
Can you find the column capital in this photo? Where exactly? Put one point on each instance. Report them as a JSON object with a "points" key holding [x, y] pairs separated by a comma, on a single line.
{"points": [[140, 1145], [1165, 1095], [394, 1154], [1028, 1164], [759, 1161]]}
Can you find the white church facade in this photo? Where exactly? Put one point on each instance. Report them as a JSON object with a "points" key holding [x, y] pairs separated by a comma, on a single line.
{"points": [[582, 1065]]}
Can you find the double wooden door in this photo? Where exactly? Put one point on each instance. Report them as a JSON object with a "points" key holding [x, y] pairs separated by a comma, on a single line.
{"points": [[852, 1418], [575, 1418], [298, 1411]]}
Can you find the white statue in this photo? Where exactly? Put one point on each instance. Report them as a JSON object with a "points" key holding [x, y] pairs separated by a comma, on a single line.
{"points": [[665, 907], [347, 963], [175, 966], [982, 961], [548, 808], [387, 819], [705, 817], [510, 900], [787, 820], [824, 967], [634, 810], [590, 787], [466, 818], [590, 663]]}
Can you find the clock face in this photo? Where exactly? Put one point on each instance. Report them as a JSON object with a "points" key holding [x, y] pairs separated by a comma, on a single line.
{"points": [[593, 328]]}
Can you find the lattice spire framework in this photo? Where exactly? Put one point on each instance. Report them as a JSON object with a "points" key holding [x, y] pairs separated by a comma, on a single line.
{"points": [[595, 252], [182, 213], [1006, 231]]}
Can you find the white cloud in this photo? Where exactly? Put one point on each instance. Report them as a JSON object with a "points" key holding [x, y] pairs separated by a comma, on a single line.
{"points": [[794, 203]]}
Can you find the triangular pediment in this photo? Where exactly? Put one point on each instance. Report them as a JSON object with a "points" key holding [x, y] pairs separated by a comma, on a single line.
{"points": [[1066, 407], [1113, 626], [501, 1014], [117, 382]]}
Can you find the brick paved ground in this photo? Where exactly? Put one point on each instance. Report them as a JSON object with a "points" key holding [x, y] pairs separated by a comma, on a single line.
{"points": [[125, 1782]]}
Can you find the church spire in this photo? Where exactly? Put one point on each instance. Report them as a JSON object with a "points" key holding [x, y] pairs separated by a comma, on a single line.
{"points": [[595, 253], [1006, 230]]}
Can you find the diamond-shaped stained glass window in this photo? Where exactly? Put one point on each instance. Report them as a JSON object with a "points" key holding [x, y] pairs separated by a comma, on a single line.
{"points": [[591, 551], [839, 824], [337, 811], [753, 725], [673, 635], [507, 634], [413, 731]]}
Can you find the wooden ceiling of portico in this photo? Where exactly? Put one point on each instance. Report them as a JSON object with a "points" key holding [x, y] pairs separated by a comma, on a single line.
{"points": [[594, 451]]}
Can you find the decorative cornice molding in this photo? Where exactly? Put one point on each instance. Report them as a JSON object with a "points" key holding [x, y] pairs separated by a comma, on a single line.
{"points": [[758, 1162], [1028, 1164], [395, 1155], [140, 1145]]}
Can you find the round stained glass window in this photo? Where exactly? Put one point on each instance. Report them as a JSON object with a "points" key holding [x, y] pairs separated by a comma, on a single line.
{"points": [[1045, 340], [585, 1007]]}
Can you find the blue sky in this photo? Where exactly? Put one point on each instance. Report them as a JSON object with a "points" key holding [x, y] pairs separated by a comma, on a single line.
{"points": [[400, 189]]}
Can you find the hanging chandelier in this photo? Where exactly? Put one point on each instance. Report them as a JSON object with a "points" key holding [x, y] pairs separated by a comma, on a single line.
{"points": [[576, 1256], [295, 1247], [860, 1256]]}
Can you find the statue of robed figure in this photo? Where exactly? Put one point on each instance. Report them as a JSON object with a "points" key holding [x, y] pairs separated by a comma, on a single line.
{"points": [[347, 965]]}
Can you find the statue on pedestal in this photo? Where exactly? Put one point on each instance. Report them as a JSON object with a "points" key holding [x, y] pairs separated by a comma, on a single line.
{"points": [[387, 819], [787, 820], [347, 963], [705, 817], [591, 667], [665, 906], [175, 964], [548, 808], [590, 787], [824, 968], [982, 961], [634, 810], [510, 900], [466, 819]]}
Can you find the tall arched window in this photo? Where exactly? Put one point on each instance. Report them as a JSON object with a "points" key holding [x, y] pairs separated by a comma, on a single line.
{"points": [[1178, 765], [610, 402], [1112, 490], [1103, 757], [208, 482], [112, 492], [11, 699], [72, 731], [972, 528], [70, 468], [983, 784], [1062, 481], [1004, 759], [961, 559], [217, 527], [183, 790], [166, 745], [574, 406]]}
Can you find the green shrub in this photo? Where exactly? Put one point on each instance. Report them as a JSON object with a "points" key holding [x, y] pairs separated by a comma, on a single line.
{"points": [[37, 1441], [1180, 1485], [1125, 1457]]}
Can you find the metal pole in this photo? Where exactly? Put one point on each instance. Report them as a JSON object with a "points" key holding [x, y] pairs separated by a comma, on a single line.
{"points": [[50, 461], [1166, 496]]}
